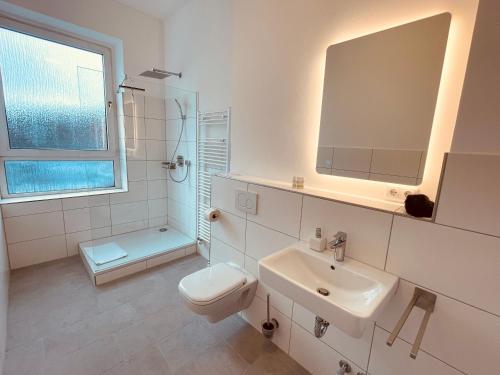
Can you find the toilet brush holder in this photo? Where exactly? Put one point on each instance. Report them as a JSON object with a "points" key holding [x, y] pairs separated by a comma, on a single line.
{"points": [[269, 326]]}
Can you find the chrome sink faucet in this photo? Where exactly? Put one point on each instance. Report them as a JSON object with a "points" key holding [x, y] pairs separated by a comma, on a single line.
{"points": [[338, 245]]}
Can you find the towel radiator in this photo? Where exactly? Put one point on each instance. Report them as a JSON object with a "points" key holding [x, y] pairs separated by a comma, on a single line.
{"points": [[213, 152]]}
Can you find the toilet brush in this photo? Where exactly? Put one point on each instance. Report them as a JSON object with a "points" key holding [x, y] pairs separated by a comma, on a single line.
{"points": [[269, 325]]}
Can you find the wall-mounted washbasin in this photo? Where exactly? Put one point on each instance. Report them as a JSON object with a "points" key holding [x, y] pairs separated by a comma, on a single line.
{"points": [[347, 294]]}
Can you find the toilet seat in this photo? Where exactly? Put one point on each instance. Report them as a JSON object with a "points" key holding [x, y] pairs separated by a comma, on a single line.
{"points": [[212, 283]]}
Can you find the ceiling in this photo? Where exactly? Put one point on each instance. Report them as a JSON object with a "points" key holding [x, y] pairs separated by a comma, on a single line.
{"points": [[155, 8]]}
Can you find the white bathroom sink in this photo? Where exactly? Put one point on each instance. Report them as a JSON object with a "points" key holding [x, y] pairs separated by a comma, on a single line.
{"points": [[357, 292]]}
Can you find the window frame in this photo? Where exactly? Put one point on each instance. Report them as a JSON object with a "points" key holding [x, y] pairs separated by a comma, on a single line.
{"points": [[112, 131]]}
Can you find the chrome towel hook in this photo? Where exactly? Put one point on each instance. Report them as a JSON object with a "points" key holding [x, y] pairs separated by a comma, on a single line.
{"points": [[426, 301]]}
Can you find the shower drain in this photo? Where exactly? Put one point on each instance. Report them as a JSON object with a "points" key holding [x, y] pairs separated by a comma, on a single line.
{"points": [[323, 291], [163, 229]]}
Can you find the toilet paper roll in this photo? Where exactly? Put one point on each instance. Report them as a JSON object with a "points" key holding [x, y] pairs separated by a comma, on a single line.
{"points": [[212, 214]]}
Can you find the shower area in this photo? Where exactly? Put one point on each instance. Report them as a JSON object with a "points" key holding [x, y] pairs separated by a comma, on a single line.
{"points": [[160, 127]]}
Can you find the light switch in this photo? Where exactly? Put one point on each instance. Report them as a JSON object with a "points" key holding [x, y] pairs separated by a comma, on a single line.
{"points": [[246, 201]]}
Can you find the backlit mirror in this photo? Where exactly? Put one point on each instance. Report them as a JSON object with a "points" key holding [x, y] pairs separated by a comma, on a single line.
{"points": [[379, 98]]}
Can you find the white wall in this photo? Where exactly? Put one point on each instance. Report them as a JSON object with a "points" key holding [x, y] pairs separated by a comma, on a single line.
{"points": [[266, 59], [463, 335], [4, 293], [142, 35]]}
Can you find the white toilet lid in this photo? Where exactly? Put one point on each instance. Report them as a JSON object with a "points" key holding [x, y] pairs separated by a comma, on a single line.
{"points": [[211, 283]]}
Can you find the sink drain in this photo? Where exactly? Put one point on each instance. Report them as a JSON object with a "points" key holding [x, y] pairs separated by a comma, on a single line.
{"points": [[323, 291]]}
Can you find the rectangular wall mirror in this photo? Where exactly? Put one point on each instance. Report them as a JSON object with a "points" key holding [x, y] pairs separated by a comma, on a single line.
{"points": [[379, 99]]}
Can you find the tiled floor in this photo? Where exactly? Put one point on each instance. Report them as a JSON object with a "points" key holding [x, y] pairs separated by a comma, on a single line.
{"points": [[60, 324]]}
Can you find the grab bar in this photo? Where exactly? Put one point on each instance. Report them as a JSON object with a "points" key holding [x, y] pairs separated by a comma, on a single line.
{"points": [[426, 301]]}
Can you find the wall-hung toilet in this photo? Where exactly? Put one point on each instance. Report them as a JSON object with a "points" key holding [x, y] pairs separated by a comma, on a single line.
{"points": [[218, 291]]}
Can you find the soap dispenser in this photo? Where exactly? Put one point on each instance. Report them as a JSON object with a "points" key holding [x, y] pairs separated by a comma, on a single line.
{"points": [[318, 242]]}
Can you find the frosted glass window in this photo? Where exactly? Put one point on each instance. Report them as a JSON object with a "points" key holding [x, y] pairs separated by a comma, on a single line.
{"points": [[34, 176], [54, 94]]}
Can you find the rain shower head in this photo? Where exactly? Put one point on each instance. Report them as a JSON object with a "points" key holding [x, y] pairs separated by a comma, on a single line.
{"points": [[159, 74]]}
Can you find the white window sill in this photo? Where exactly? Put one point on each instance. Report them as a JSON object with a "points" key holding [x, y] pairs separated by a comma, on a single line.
{"points": [[35, 198]]}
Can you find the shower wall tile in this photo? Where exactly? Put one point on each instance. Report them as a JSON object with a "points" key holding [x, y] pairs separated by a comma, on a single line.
{"points": [[184, 192], [157, 208], [30, 208], [100, 217], [174, 127], [182, 217], [137, 191], [155, 171], [278, 210], [186, 149], [37, 251], [157, 189], [30, 227], [129, 212], [86, 201], [155, 108], [188, 101], [136, 170], [156, 150], [158, 221], [438, 257], [367, 230], [77, 220], [128, 227], [155, 129], [394, 360]]}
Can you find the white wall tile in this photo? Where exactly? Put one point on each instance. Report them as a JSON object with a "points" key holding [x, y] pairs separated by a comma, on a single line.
{"points": [[182, 217], [137, 191], [314, 355], [352, 159], [367, 230], [396, 162], [186, 149], [174, 129], [155, 108], [457, 263], [158, 221], [476, 177], [184, 192], [280, 302], [73, 239], [223, 194], [395, 360], [256, 314], [136, 170], [135, 127], [77, 220], [156, 150], [222, 253], [262, 241], [157, 208], [277, 209], [230, 229], [30, 227], [157, 189], [86, 201], [129, 227], [454, 328], [100, 217], [37, 251], [155, 171], [155, 129], [129, 212], [97, 233], [356, 350], [135, 149], [30, 208]]}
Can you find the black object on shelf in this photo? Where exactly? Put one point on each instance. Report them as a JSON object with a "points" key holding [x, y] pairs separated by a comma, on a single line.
{"points": [[419, 205]]}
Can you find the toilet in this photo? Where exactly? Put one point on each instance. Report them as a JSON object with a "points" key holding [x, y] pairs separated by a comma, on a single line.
{"points": [[218, 291]]}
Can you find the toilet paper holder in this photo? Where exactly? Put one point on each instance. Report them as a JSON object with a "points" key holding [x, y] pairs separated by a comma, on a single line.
{"points": [[212, 214], [426, 301]]}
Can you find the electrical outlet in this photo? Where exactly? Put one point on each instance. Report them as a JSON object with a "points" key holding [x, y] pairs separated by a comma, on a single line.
{"points": [[398, 193]]}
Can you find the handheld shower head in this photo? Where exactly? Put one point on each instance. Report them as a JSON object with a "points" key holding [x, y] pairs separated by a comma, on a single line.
{"points": [[180, 108]]}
